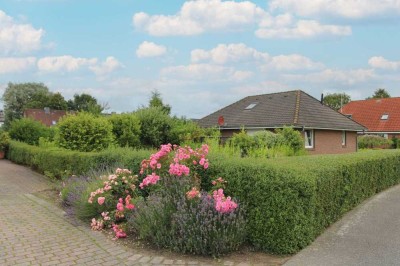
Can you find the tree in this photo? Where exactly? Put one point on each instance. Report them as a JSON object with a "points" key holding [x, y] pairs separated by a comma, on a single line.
{"points": [[156, 101], [57, 102], [18, 97], [336, 100], [379, 94], [86, 103]]}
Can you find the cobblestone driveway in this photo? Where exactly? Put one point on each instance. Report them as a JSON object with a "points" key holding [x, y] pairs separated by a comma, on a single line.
{"points": [[36, 232]]}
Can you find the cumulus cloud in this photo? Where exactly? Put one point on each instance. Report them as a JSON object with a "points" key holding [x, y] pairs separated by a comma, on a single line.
{"points": [[196, 17], [382, 63], [64, 63], [239, 53], [343, 77], [227, 53], [354, 9], [14, 64], [302, 29], [18, 37], [106, 67], [150, 49]]}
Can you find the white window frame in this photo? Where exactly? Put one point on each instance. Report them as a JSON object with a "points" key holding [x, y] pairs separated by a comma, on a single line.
{"points": [[311, 131], [344, 137]]}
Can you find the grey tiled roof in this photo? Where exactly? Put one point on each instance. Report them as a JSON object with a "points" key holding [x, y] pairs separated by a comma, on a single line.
{"points": [[291, 108]]}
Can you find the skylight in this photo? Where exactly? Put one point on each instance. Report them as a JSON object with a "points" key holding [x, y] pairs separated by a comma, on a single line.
{"points": [[385, 117], [251, 106]]}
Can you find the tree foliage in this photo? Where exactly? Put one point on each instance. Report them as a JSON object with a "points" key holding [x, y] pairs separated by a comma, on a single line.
{"points": [[379, 94], [336, 100], [18, 97], [85, 103], [156, 101]]}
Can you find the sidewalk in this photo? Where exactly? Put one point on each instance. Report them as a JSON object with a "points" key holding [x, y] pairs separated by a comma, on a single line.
{"points": [[36, 232]]}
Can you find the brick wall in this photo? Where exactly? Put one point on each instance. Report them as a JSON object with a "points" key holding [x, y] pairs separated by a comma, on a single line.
{"points": [[330, 142]]}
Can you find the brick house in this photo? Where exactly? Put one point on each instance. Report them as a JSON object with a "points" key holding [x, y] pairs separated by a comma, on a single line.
{"points": [[46, 116], [324, 130], [379, 116]]}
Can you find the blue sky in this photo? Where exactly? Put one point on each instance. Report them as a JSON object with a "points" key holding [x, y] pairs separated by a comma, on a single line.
{"points": [[200, 55]]}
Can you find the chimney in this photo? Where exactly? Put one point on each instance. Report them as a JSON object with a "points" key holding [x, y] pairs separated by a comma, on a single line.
{"points": [[322, 98]]}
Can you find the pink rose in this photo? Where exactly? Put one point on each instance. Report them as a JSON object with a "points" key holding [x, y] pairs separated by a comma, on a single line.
{"points": [[100, 200]]}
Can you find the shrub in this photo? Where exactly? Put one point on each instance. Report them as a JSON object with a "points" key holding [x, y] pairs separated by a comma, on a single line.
{"points": [[184, 131], [243, 141], [267, 139], [291, 138], [4, 141], [155, 126], [29, 131], [395, 143], [200, 229], [126, 129], [373, 142], [84, 132]]}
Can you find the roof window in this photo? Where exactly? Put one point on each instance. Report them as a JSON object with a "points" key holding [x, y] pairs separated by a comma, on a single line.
{"points": [[251, 106], [384, 117]]}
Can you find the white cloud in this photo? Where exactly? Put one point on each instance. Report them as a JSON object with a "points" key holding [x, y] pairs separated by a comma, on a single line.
{"points": [[224, 53], [354, 9], [303, 29], [381, 62], [293, 62], [150, 49], [197, 72], [17, 37], [196, 17], [14, 64], [240, 53], [106, 67], [64, 63], [349, 77]]}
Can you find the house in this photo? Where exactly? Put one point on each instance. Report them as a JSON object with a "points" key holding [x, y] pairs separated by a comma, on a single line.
{"points": [[324, 130], [46, 116], [2, 118], [379, 116]]}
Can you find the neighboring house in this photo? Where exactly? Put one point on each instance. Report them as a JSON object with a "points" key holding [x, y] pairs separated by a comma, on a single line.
{"points": [[379, 116], [2, 118], [46, 116], [324, 130]]}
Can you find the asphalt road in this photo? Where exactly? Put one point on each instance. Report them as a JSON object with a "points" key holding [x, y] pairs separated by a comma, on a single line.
{"points": [[367, 235]]}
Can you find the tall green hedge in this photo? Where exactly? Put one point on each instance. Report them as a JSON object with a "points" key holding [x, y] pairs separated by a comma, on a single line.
{"points": [[290, 201]]}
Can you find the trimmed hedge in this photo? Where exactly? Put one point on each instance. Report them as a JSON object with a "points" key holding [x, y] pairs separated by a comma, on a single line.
{"points": [[290, 201], [57, 162]]}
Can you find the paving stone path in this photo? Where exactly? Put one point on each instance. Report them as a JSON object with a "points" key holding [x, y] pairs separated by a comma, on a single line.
{"points": [[36, 232]]}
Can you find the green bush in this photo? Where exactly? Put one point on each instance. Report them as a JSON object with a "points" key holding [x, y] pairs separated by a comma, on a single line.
{"points": [[29, 131], [243, 141], [373, 142], [395, 143], [126, 129], [267, 139], [84, 132], [291, 138], [184, 131], [155, 126], [291, 200], [4, 141]]}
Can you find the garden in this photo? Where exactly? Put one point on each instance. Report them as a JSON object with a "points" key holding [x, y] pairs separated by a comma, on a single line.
{"points": [[164, 180]]}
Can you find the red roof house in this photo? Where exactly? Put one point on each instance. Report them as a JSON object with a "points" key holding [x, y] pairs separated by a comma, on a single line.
{"points": [[46, 116], [379, 116]]}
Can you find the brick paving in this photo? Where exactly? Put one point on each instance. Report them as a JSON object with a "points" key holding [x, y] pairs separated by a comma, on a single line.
{"points": [[36, 232]]}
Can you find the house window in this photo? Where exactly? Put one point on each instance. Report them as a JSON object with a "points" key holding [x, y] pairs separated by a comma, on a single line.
{"points": [[343, 138], [385, 117], [309, 138], [250, 106]]}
